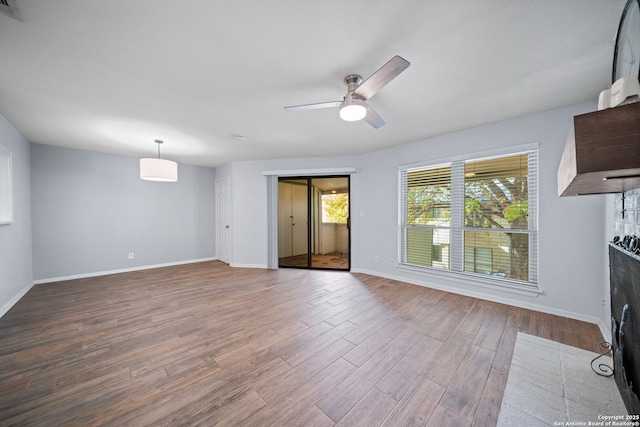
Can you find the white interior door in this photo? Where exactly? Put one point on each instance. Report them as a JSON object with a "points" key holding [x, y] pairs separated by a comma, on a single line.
{"points": [[223, 220]]}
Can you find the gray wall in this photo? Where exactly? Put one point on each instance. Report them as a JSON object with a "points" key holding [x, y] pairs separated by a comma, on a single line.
{"points": [[15, 238], [249, 226], [90, 210]]}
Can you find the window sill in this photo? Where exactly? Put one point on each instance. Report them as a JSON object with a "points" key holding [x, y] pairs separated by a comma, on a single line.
{"points": [[494, 283]]}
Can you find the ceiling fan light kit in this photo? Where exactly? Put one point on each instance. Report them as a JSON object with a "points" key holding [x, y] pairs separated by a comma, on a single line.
{"points": [[352, 109], [354, 106], [157, 169]]}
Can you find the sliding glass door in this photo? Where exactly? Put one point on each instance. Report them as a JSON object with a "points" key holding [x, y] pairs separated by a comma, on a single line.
{"points": [[313, 222]]}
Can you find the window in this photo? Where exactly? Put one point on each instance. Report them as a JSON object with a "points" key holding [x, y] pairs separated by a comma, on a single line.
{"points": [[479, 260], [6, 195], [475, 216], [436, 253]]}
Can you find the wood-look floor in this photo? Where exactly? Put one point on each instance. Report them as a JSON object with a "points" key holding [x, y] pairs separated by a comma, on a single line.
{"points": [[206, 344]]}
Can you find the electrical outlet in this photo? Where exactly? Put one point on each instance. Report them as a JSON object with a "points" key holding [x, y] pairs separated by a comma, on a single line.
{"points": [[376, 258], [131, 255], [391, 261]]}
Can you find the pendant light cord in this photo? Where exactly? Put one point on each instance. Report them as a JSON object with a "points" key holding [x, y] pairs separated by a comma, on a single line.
{"points": [[159, 141]]}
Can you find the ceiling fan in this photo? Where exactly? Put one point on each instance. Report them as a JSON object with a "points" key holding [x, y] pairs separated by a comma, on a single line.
{"points": [[354, 106]]}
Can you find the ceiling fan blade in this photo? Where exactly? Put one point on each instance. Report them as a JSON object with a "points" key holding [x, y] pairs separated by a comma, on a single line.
{"points": [[314, 106], [380, 78], [373, 118]]}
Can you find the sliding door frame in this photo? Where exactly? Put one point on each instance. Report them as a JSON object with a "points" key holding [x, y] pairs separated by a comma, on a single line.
{"points": [[272, 204], [314, 224]]}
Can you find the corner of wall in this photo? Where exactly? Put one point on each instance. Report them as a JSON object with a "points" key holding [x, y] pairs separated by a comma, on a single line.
{"points": [[16, 270]]}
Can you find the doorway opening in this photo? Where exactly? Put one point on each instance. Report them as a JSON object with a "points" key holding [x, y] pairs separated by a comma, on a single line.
{"points": [[314, 222]]}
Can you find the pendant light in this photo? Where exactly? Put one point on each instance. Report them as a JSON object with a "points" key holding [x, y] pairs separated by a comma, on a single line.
{"points": [[157, 169]]}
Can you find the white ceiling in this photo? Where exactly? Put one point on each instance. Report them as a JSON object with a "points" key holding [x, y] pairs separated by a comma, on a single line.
{"points": [[113, 76]]}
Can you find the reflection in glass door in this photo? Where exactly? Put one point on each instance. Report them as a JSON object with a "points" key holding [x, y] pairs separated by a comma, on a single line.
{"points": [[313, 222], [293, 213]]}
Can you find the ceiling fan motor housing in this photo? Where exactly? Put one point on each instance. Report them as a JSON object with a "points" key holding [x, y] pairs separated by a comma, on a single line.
{"points": [[352, 81]]}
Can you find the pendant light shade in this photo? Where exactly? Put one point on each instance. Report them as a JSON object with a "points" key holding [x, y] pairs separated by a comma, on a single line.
{"points": [[157, 169]]}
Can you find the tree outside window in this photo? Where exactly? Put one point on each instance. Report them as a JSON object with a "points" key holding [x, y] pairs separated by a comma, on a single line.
{"points": [[335, 208], [490, 197]]}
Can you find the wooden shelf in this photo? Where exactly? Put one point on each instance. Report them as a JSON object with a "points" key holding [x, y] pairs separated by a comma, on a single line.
{"points": [[602, 155]]}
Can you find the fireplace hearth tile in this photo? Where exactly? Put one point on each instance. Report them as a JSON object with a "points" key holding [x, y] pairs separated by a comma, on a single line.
{"points": [[535, 401], [540, 380], [511, 416], [551, 383]]}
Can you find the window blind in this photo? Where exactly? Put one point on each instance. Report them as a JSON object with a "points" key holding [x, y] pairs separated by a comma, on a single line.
{"points": [[476, 216]]}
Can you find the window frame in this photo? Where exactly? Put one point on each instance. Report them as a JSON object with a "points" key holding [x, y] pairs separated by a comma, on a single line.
{"points": [[6, 186], [457, 228]]}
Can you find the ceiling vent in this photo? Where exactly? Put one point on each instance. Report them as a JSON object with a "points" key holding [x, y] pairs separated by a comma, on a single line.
{"points": [[8, 7]]}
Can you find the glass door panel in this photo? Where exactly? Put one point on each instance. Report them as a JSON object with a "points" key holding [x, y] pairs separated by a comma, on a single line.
{"points": [[331, 231], [293, 214]]}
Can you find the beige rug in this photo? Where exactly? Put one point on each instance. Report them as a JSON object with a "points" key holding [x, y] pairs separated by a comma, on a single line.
{"points": [[552, 384]]}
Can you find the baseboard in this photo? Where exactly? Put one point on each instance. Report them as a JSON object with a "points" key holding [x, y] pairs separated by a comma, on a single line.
{"points": [[605, 330], [123, 270], [14, 300], [263, 266], [492, 298]]}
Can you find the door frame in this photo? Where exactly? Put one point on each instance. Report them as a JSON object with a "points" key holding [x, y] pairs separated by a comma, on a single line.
{"points": [[314, 219], [272, 203]]}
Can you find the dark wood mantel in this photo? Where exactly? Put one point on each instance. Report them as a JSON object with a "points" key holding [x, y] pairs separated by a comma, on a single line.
{"points": [[602, 155]]}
